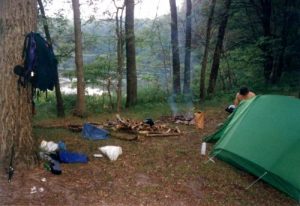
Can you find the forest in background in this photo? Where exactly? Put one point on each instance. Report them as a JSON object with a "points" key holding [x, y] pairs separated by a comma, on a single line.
{"points": [[253, 37]]}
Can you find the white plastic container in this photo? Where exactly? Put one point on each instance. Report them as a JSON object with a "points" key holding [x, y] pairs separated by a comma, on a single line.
{"points": [[203, 148]]}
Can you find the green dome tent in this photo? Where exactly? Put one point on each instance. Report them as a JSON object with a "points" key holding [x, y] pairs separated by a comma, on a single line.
{"points": [[262, 137]]}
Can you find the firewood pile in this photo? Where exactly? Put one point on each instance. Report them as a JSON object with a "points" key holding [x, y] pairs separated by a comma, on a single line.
{"points": [[147, 128]]}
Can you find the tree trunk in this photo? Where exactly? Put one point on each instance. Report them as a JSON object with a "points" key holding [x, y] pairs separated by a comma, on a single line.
{"points": [[120, 55], [17, 18], [59, 101], [130, 55], [188, 41], [166, 56], [80, 101], [206, 49], [175, 49], [267, 46], [218, 49], [278, 68]]}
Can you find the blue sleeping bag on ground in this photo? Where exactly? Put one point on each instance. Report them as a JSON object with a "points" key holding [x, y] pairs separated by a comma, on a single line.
{"points": [[72, 157], [92, 132]]}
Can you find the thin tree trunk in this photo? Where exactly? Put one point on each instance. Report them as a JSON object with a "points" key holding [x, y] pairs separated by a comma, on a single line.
{"points": [[130, 55], [80, 102], [188, 41], [120, 55], [206, 49], [59, 101], [175, 48], [166, 56], [165, 59], [109, 93], [17, 18], [218, 49], [267, 47], [277, 70]]}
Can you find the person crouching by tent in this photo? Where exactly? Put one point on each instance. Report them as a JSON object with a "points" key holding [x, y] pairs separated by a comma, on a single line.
{"points": [[243, 94]]}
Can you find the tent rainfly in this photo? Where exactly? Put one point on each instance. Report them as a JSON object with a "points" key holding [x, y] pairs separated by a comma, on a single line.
{"points": [[262, 137]]}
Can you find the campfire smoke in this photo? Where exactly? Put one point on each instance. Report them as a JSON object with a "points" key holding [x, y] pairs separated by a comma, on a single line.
{"points": [[173, 105]]}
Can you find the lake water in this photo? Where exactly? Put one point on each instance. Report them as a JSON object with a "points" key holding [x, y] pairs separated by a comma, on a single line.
{"points": [[68, 87]]}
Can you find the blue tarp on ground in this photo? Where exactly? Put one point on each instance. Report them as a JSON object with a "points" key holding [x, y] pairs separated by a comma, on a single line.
{"points": [[92, 132]]}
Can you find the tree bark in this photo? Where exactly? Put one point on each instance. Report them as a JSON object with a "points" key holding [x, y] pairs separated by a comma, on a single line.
{"points": [[59, 101], [218, 49], [17, 18], [130, 55], [188, 41], [267, 46], [175, 48], [206, 49], [278, 68], [80, 101], [263, 9]]}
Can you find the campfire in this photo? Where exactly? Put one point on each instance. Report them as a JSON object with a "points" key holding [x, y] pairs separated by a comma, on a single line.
{"points": [[196, 119], [188, 119], [146, 127]]}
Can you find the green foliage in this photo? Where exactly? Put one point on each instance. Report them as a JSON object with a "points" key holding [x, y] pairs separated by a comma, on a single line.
{"points": [[61, 31], [45, 106], [151, 95], [100, 69], [246, 65]]}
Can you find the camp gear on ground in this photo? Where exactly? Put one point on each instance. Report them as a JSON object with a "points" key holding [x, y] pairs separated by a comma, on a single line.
{"points": [[203, 148], [53, 166], [199, 120], [112, 152], [97, 155], [48, 146], [62, 145], [149, 121], [92, 132], [72, 157], [262, 136], [230, 108]]}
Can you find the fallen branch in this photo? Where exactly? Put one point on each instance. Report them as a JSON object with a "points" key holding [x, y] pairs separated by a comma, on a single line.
{"points": [[50, 126], [163, 134]]}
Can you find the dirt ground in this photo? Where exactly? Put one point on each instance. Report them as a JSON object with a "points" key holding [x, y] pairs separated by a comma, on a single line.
{"points": [[151, 171]]}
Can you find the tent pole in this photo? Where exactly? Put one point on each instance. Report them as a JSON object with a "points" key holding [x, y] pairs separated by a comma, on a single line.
{"points": [[256, 180]]}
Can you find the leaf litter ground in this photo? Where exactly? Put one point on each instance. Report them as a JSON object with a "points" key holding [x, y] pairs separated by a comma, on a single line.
{"points": [[151, 171]]}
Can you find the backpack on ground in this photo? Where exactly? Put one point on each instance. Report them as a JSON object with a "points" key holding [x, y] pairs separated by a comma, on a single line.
{"points": [[40, 64]]}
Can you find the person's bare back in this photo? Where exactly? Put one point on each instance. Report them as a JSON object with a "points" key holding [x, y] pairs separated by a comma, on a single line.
{"points": [[243, 94]]}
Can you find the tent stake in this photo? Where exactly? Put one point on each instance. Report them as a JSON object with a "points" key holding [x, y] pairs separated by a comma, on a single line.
{"points": [[256, 180], [211, 159]]}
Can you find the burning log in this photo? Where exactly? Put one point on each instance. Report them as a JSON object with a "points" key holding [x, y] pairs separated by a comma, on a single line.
{"points": [[196, 119]]}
